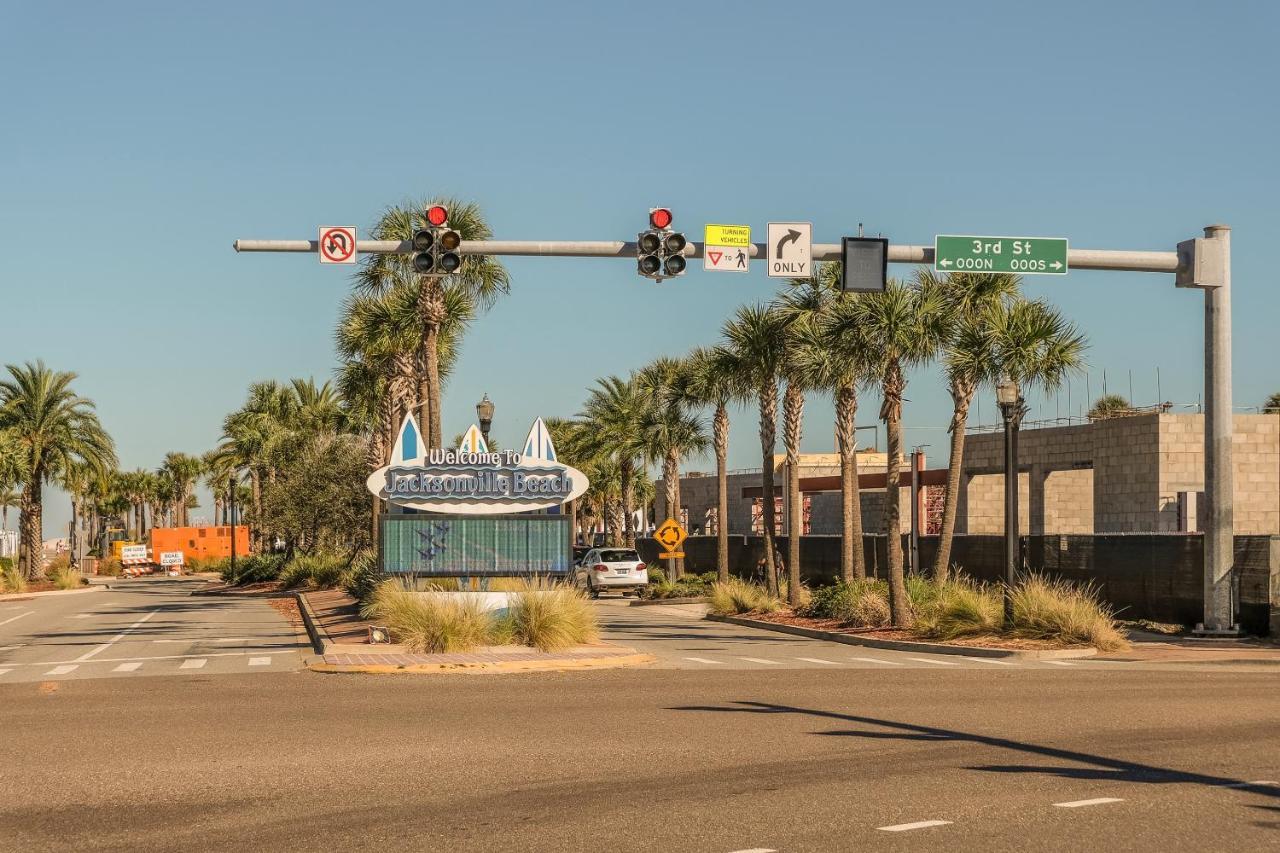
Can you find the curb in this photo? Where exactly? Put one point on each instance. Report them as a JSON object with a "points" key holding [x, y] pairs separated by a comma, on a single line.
{"points": [[906, 645], [319, 638], [652, 602], [11, 596], [500, 668]]}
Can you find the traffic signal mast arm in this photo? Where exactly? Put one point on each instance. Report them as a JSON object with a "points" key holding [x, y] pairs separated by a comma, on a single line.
{"points": [[1079, 259]]}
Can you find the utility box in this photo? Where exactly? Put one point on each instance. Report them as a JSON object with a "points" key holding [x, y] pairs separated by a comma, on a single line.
{"points": [[1200, 263]]}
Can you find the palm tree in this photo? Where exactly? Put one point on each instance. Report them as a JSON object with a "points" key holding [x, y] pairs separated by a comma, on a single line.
{"points": [[159, 495], [755, 338], [184, 472], [481, 277], [669, 430], [967, 359], [55, 427], [715, 380], [12, 473], [902, 327], [614, 409], [1109, 406], [1272, 406], [218, 470]]}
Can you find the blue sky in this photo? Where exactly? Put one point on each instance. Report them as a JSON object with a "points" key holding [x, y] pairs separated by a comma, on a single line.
{"points": [[140, 139]]}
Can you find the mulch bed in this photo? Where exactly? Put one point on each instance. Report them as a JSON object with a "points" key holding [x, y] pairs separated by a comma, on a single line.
{"points": [[835, 626], [287, 606], [261, 588]]}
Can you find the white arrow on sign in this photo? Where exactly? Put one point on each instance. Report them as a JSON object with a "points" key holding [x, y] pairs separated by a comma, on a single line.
{"points": [[1057, 265], [945, 262]]}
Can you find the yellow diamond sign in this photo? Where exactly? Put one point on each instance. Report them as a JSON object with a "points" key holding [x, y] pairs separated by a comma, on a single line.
{"points": [[671, 536]]}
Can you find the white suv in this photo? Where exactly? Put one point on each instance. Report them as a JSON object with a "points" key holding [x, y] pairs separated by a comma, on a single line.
{"points": [[611, 568]]}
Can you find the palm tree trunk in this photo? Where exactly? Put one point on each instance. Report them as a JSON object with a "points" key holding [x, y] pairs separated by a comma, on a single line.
{"points": [[768, 438], [899, 606], [951, 500], [628, 523], [793, 430], [720, 437], [29, 547], [671, 480], [436, 429], [255, 482], [853, 562]]}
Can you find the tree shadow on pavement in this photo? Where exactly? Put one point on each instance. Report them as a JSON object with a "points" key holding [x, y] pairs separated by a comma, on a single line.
{"points": [[1096, 766]]}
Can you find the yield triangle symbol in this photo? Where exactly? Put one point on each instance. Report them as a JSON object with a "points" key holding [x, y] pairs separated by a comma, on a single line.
{"points": [[715, 258]]}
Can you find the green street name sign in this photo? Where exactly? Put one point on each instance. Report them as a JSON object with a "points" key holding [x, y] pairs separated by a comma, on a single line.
{"points": [[1022, 255]]}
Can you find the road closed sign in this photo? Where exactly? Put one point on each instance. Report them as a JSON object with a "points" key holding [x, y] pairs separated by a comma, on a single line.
{"points": [[171, 558]]}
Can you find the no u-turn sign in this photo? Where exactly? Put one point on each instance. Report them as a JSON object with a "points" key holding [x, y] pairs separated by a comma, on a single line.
{"points": [[337, 244]]}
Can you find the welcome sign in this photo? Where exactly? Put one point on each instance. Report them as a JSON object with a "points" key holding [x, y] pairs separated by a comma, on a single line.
{"points": [[473, 480]]}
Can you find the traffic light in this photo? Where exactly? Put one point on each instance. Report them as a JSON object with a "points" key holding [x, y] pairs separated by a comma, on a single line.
{"points": [[436, 248], [659, 250]]}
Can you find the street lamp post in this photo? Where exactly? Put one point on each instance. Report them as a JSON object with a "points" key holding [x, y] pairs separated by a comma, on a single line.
{"points": [[1012, 407], [484, 411]]}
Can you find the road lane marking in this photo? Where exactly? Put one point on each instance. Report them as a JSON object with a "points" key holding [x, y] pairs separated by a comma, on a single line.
{"points": [[149, 657], [194, 663], [5, 671], [259, 661], [1060, 662], [10, 648], [63, 670], [96, 649], [877, 660], [1097, 801], [907, 827], [127, 667], [1261, 783], [762, 660], [16, 618], [819, 660], [990, 660], [757, 850], [936, 662], [87, 615], [704, 660]]}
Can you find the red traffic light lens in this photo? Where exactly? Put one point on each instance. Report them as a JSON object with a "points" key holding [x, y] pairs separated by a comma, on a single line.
{"points": [[437, 215], [660, 217]]}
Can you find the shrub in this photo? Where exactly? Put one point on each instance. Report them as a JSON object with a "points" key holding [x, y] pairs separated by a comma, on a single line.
{"points": [[66, 578], [689, 586], [431, 623], [255, 568], [362, 576], [57, 563], [11, 580], [315, 571], [959, 607], [1056, 610], [551, 616], [210, 564], [739, 596], [110, 567], [862, 604]]}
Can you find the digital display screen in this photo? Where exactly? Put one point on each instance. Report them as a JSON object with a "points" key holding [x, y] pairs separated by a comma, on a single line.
{"points": [[457, 545]]}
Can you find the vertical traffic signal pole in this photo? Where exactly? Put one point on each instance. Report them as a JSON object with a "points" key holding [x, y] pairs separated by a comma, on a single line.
{"points": [[1202, 263]]}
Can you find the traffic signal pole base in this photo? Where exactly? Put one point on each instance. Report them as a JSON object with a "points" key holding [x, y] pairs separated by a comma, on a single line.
{"points": [[1203, 633]]}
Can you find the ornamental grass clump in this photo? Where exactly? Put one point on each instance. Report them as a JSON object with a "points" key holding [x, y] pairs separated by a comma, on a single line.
{"points": [[863, 603], [431, 623], [315, 571], [551, 616], [738, 596], [65, 577], [11, 580], [959, 607], [1056, 610]]}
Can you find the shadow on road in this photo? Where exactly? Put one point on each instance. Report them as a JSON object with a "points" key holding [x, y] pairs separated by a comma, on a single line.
{"points": [[1097, 766]]}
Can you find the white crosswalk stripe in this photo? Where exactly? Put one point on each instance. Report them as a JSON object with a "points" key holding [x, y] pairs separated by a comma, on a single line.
{"points": [[704, 660], [762, 660], [991, 660], [936, 662], [267, 661], [820, 660], [1060, 662], [128, 667], [195, 663], [63, 670], [878, 660]]}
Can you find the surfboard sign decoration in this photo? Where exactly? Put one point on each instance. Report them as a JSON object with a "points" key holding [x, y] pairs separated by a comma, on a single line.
{"points": [[473, 480]]}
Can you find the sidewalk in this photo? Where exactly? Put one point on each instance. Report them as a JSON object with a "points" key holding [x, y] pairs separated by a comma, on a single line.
{"points": [[342, 638], [1158, 648]]}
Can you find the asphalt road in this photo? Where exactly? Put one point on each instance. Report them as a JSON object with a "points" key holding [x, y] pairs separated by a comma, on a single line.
{"points": [[649, 759], [144, 627]]}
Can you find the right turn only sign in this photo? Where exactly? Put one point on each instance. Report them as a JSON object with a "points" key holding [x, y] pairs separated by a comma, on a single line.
{"points": [[790, 249]]}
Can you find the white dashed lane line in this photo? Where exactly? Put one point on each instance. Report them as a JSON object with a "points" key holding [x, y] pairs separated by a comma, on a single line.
{"points": [[1060, 662], [64, 669], [194, 663], [16, 618], [878, 660], [5, 671], [990, 660], [704, 660], [127, 667], [1097, 801], [259, 661], [762, 660], [935, 662], [820, 660], [907, 827]]}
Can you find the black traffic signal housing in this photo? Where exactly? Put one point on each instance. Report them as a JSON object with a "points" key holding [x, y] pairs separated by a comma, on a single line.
{"points": [[436, 248], [864, 264], [659, 250]]}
